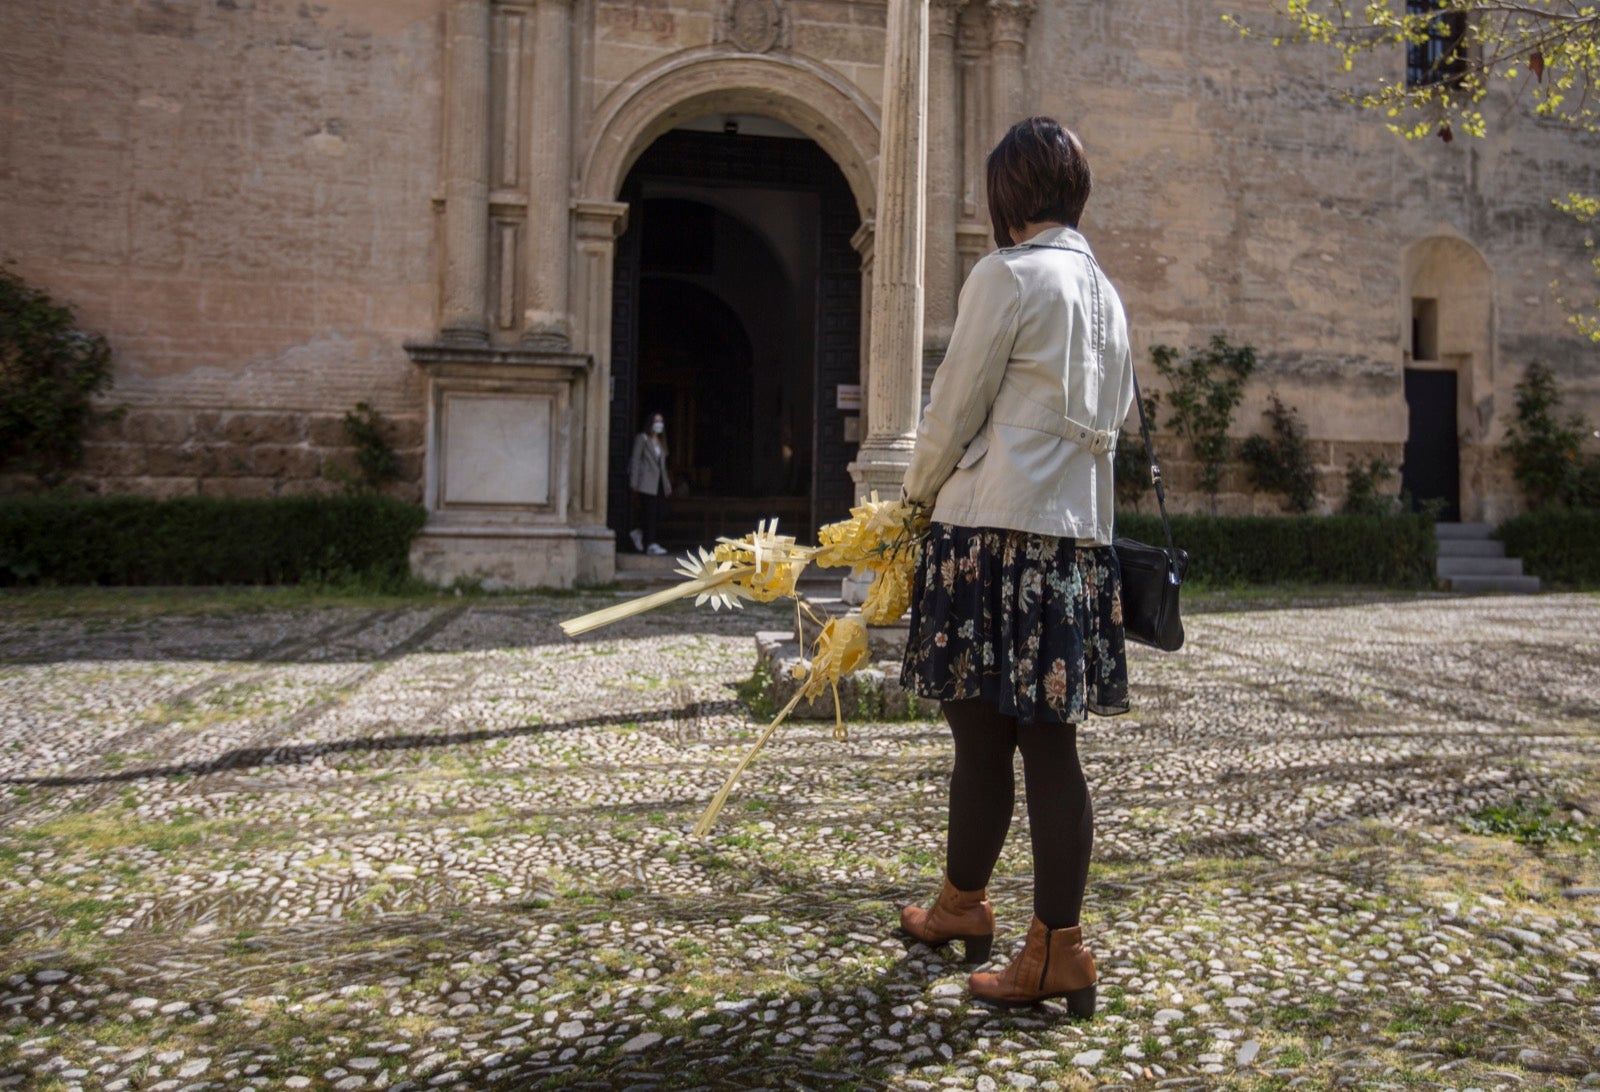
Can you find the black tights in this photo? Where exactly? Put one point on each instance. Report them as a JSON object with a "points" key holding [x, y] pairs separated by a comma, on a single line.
{"points": [[981, 794]]}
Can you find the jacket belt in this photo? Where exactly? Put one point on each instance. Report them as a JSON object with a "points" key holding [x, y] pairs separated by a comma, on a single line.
{"points": [[1026, 413]]}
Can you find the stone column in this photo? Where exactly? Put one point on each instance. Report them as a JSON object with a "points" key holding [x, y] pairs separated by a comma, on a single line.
{"points": [[464, 315], [944, 180], [861, 241], [547, 320], [972, 52], [894, 375], [598, 225], [973, 239], [1008, 31]]}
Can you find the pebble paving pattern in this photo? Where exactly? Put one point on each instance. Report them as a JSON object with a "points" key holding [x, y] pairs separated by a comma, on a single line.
{"points": [[439, 845]]}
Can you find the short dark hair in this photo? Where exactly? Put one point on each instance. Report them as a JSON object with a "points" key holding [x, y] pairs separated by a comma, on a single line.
{"points": [[1037, 172]]}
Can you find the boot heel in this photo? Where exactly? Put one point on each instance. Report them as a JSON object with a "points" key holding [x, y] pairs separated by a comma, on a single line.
{"points": [[977, 948], [1080, 1003]]}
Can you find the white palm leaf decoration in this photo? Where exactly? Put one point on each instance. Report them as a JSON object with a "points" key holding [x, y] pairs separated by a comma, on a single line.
{"points": [[707, 569]]}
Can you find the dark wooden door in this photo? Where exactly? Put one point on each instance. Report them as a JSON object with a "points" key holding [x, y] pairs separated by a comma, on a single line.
{"points": [[772, 163], [1432, 468]]}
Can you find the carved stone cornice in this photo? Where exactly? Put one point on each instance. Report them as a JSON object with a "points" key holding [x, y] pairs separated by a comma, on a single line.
{"points": [[600, 220], [1008, 20], [450, 358]]}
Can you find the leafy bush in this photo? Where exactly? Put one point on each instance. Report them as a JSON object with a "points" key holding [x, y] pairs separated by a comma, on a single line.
{"points": [[1282, 463], [49, 373], [1394, 551], [1561, 546], [57, 539], [1363, 489], [1206, 387], [1546, 449], [1527, 821], [375, 458]]}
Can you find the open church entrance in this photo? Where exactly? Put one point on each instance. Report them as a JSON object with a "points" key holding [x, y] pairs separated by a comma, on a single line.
{"points": [[738, 318]]}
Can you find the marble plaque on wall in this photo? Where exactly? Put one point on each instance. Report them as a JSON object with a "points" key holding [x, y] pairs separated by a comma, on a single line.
{"points": [[496, 449]]}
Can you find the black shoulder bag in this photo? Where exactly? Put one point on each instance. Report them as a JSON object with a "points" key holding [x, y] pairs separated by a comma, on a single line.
{"points": [[1152, 576]]}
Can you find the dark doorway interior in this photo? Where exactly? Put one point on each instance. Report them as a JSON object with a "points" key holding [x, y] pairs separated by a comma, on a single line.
{"points": [[737, 315], [697, 370], [1432, 468]]}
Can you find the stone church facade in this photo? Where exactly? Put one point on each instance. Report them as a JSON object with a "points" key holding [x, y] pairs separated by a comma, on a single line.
{"points": [[514, 227]]}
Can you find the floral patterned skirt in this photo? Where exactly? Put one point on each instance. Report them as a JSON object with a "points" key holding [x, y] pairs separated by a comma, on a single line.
{"points": [[1029, 622]]}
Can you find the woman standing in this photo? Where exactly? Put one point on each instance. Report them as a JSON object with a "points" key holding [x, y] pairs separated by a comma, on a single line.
{"points": [[1016, 617], [650, 482]]}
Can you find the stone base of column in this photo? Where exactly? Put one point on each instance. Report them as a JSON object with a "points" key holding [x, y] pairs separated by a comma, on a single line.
{"points": [[464, 333], [546, 341], [510, 558], [880, 467], [546, 331]]}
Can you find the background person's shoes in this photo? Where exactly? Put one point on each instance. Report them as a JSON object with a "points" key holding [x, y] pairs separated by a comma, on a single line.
{"points": [[654, 550], [638, 540]]}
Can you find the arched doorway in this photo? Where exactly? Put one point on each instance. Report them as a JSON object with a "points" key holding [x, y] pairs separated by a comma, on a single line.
{"points": [[737, 313], [1449, 375]]}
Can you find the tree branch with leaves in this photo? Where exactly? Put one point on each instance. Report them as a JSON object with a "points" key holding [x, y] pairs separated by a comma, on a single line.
{"points": [[1544, 52]]}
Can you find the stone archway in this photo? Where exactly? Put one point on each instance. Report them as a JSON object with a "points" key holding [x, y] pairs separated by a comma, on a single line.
{"points": [[802, 93], [1449, 349]]}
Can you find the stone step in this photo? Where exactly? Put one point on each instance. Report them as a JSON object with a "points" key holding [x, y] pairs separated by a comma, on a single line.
{"points": [[1478, 566], [1462, 530], [1471, 547], [644, 563], [1518, 585]]}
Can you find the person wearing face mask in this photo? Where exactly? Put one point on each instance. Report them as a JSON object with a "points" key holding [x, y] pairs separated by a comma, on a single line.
{"points": [[650, 482]]}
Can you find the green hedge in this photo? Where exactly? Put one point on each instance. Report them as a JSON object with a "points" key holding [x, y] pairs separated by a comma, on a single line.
{"points": [[202, 540], [1560, 546], [1393, 551]]}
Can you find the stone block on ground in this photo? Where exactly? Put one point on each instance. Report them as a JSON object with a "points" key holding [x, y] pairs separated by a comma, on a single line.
{"points": [[872, 693]]}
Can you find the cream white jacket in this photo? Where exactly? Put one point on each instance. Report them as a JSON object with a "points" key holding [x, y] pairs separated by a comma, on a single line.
{"points": [[1021, 429]]}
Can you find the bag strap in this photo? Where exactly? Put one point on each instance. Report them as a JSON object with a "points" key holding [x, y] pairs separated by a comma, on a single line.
{"points": [[1149, 449], [1144, 425]]}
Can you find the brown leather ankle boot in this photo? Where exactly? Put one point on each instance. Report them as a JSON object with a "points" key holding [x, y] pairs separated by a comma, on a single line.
{"points": [[1052, 963], [956, 915]]}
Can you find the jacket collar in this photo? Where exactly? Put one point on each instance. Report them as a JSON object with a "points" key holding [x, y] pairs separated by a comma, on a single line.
{"points": [[1062, 238]]}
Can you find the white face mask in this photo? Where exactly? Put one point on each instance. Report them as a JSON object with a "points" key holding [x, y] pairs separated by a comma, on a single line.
{"points": [[658, 427]]}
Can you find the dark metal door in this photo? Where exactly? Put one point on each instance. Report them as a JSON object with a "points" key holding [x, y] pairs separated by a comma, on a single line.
{"points": [[838, 353], [767, 162], [1432, 467], [624, 354]]}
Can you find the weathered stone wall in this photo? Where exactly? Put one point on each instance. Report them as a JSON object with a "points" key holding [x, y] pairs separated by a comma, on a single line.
{"points": [[242, 195], [237, 194], [1235, 193]]}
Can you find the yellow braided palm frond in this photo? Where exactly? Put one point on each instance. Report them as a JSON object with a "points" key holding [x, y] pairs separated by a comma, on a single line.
{"points": [[889, 597]]}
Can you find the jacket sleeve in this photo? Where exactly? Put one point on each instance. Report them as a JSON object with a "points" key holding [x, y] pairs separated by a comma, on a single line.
{"points": [[636, 462], [966, 383]]}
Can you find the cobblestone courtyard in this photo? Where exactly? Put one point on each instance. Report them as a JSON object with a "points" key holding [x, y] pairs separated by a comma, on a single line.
{"points": [[432, 843]]}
